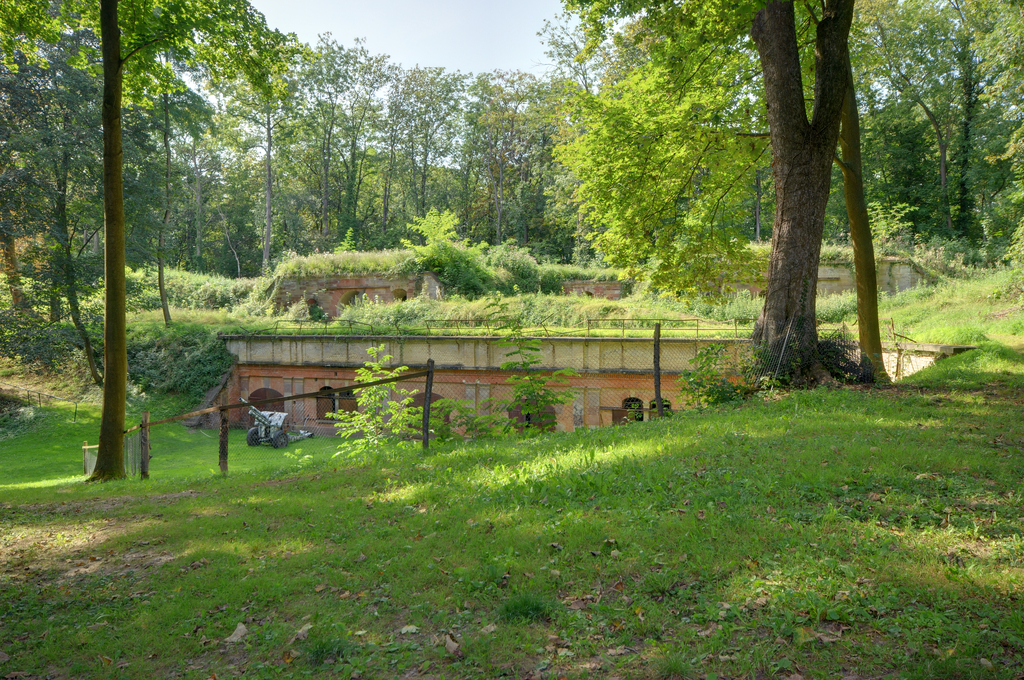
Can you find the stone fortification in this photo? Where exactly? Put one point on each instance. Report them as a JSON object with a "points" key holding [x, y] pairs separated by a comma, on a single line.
{"points": [[333, 293]]}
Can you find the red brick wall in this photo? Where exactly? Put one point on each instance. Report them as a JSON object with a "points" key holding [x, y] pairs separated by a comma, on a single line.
{"points": [[592, 390], [609, 290]]}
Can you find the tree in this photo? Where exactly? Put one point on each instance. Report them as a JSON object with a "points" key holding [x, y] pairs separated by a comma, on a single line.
{"points": [[803, 146], [265, 110], [860, 234], [924, 56], [227, 34], [498, 116]]}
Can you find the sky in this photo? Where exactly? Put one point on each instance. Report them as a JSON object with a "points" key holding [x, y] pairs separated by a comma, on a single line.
{"points": [[464, 35]]}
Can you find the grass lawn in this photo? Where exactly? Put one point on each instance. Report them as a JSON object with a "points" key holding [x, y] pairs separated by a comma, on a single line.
{"points": [[825, 533]]}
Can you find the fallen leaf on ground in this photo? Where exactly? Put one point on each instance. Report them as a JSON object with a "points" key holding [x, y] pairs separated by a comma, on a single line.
{"points": [[452, 646], [240, 632], [301, 634], [487, 630], [709, 630], [408, 630], [618, 651], [4, 658]]}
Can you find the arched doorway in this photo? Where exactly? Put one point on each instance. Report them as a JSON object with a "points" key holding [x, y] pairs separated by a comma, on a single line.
{"points": [[634, 408], [399, 294], [265, 393], [664, 402], [349, 297]]}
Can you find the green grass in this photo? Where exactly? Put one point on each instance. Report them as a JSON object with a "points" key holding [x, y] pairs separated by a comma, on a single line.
{"points": [[824, 532], [956, 311]]}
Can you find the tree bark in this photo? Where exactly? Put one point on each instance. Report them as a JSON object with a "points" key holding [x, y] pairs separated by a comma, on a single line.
{"points": [[860, 235], [167, 213], [803, 153], [199, 205], [269, 196], [757, 205], [110, 455], [325, 227], [10, 255], [965, 218]]}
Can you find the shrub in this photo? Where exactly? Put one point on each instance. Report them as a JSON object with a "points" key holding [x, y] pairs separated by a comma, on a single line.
{"points": [[385, 411], [705, 384], [515, 269], [836, 308], [202, 291], [186, 359], [457, 266]]}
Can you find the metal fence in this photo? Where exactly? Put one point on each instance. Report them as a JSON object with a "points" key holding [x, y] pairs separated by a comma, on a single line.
{"points": [[35, 396]]}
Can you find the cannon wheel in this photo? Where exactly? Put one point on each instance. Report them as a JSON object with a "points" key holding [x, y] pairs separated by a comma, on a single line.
{"points": [[280, 439], [252, 437]]}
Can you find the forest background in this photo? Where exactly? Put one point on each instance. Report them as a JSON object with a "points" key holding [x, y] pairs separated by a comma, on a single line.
{"points": [[593, 163]]}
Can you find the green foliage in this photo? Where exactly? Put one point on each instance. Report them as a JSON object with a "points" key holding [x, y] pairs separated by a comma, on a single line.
{"points": [[457, 266], [515, 269], [706, 383], [323, 265], [201, 291], [185, 359], [661, 167], [889, 223], [436, 227], [534, 393], [385, 412]]}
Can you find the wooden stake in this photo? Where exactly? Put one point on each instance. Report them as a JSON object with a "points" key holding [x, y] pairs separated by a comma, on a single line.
{"points": [[657, 370], [223, 442], [428, 389], [144, 445]]}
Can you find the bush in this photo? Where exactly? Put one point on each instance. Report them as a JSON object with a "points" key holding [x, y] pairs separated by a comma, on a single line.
{"points": [[202, 291], [515, 269], [186, 359], [706, 384], [458, 267], [837, 308]]}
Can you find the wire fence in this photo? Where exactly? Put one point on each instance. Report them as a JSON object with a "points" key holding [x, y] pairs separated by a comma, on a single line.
{"points": [[35, 396], [297, 388]]}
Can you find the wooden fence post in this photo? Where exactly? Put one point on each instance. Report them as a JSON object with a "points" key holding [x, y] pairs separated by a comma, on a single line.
{"points": [[144, 446], [428, 390], [85, 457], [223, 441], [657, 370]]}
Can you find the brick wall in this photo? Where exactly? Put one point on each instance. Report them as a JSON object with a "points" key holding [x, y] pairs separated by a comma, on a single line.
{"points": [[333, 293]]}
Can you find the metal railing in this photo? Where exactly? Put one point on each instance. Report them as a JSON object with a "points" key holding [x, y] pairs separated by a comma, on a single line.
{"points": [[39, 396]]}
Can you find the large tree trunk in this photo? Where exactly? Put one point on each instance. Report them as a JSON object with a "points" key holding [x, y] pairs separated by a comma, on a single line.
{"points": [[860, 235], [167, 213], [269, 196], [803, 153], [110, 456]]}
